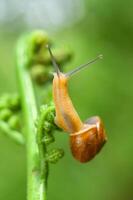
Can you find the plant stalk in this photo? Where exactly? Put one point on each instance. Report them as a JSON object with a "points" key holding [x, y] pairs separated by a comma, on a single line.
{"points": [[36, 187]]}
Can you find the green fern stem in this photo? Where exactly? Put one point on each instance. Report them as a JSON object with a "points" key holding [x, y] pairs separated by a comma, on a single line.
{"points": [[36, 185]]}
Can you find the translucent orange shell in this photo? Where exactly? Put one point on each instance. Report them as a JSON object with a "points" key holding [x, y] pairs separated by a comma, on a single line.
{"points": [[86, 143]]}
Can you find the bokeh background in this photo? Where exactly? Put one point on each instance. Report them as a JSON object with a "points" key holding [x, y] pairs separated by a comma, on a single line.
{"points": [[89, 27]]}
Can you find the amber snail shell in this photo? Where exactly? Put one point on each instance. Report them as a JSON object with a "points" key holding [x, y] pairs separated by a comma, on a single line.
{"points": [[86, 143]]}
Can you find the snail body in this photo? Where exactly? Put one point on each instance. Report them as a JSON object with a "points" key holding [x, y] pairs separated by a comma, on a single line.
{"points": [[66, 116], [86, 139]]}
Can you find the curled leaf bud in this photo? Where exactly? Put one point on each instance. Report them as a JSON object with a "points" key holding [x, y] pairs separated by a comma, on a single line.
{"points": [[61, 56], [51, 116], [5, 114], [40, 73], [54, 155], [38, 39], [43, 108], [15, 102], [11, 102], [36, 42], [48, 139], [47, 126], [14, 122]]}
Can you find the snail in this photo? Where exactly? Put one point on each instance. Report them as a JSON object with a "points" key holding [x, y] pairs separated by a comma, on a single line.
{"points": [[86, 138]]}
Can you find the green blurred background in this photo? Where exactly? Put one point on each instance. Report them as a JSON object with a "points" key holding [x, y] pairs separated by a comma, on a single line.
{"points": [[106, 89]]}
